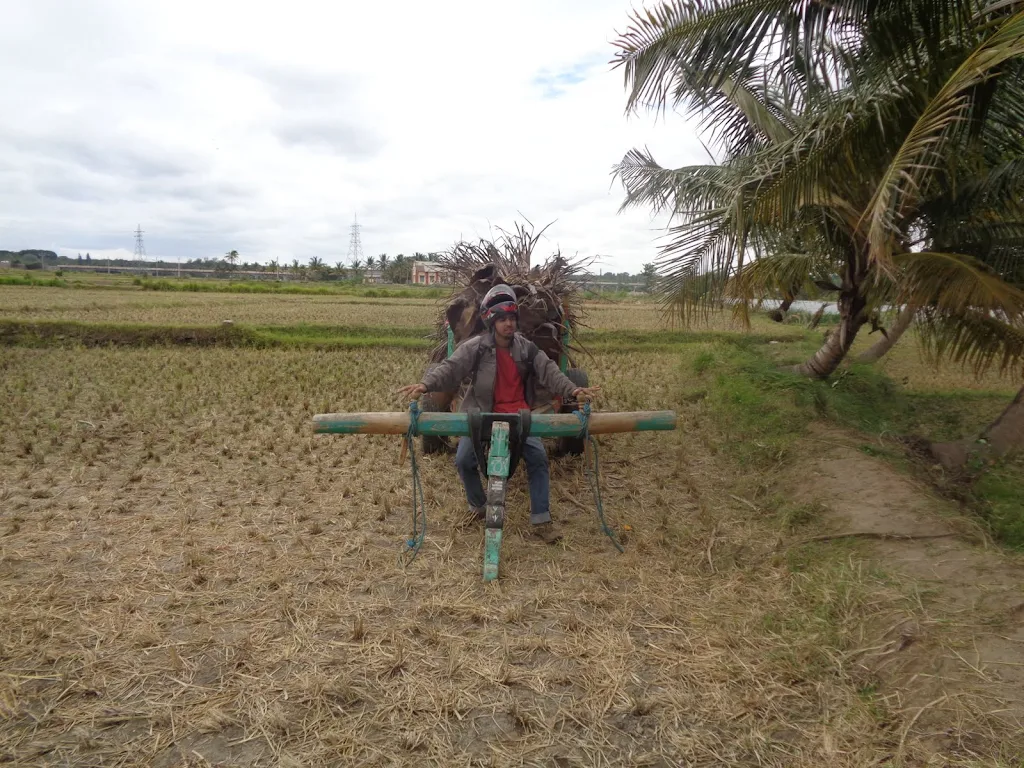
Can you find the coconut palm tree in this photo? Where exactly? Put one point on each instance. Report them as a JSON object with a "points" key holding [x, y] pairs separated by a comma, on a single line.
{"points": [[951, 224], [231, 257], [840, 129], [401, 269]]}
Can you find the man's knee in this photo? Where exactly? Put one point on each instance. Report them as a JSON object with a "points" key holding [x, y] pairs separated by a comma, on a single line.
{"points": [[533, 452], [465, 457]]}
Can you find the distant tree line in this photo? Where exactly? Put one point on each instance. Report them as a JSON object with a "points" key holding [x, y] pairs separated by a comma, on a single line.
{"points": [[391, 270], [30, 259], [388, 269]]}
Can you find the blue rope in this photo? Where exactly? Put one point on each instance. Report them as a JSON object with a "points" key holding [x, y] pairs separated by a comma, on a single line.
{"points": [[594, 475], [419, 507]]}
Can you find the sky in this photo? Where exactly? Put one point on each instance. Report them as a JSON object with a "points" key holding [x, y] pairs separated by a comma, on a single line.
{"points": [[268, 127]]}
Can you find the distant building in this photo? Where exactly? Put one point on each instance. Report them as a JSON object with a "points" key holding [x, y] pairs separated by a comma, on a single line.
{"points": [[427, 273], [5, 264]]}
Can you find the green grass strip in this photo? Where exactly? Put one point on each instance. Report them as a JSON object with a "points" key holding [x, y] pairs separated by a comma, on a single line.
{"points": [[46, 333], [762, 411], [33, 282]]}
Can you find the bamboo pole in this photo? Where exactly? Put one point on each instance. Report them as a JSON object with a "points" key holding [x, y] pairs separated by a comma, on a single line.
{"points": [[457, 424]]}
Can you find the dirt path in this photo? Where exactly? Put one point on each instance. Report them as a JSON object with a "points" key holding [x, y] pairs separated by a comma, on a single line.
{"points": [[955, 666]]}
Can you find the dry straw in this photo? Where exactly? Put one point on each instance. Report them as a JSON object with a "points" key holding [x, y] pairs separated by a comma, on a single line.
{"points": [[550, 301], [190, 578]]}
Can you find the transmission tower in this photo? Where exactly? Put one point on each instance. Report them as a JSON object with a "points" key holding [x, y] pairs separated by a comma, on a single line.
{"points": [[140, 248], [355, 243]]}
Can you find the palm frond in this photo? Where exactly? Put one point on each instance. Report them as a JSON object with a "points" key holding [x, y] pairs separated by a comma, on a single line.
{"points": [[673, 190], [976, 192], [976, 340], [747, 109], [957, 284], [662, 38], [996, 242], [811, 43], [924, 145], [778, 274], [840, 142], [668, 55], [695, 266], [758, 110], [806, 172]]}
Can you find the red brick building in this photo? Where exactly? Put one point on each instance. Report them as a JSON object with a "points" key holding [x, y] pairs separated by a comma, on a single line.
{"points": [[427, 273]]}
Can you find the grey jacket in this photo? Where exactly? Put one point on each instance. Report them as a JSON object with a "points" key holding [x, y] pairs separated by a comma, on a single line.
{"points": [[448, 375]]}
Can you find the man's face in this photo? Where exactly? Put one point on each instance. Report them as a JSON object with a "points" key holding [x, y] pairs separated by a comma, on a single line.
{"points": [[505, 326]]}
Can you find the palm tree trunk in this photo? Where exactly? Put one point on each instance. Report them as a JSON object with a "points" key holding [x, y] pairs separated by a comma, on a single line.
{"points": [[881, 347], [816, 317], [1002, 437], [780, 314], [1005, 435], [839, 341]]}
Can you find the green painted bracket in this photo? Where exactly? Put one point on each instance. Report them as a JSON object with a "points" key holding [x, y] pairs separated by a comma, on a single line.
{"points": [[498, 457], [492, 553], [497, 476]]}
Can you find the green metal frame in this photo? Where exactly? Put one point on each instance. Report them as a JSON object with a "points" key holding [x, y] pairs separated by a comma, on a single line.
{"points": [[499, 456]]}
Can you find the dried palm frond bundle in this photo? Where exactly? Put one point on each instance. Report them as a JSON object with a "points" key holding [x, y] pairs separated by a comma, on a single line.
{"points": [[549, 298]]}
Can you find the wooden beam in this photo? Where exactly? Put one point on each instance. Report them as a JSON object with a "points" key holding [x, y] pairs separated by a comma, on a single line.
{"points": [[457, 424]]}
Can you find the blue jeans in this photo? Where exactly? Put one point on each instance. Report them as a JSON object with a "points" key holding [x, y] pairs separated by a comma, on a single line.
{"points": [[536, 460]]}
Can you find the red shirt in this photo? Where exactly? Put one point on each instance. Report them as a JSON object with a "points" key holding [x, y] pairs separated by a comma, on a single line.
{"points": [[508, 385]]}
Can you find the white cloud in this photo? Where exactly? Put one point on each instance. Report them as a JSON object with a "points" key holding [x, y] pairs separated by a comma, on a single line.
{"points": [[265, 127]]}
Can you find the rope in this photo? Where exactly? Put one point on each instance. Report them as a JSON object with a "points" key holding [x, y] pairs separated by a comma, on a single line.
{"points": [[419, 507], [594, 475]]}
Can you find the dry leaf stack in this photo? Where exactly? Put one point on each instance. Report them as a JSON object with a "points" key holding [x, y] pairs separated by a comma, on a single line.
{"points": [[549, 298]]}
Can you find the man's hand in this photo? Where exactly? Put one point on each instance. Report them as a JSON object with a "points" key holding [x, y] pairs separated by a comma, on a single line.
{"points": [[585, 394], [412, 391]]}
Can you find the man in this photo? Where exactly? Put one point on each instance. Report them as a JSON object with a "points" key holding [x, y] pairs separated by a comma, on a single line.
{"points": [[505, 367]]}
